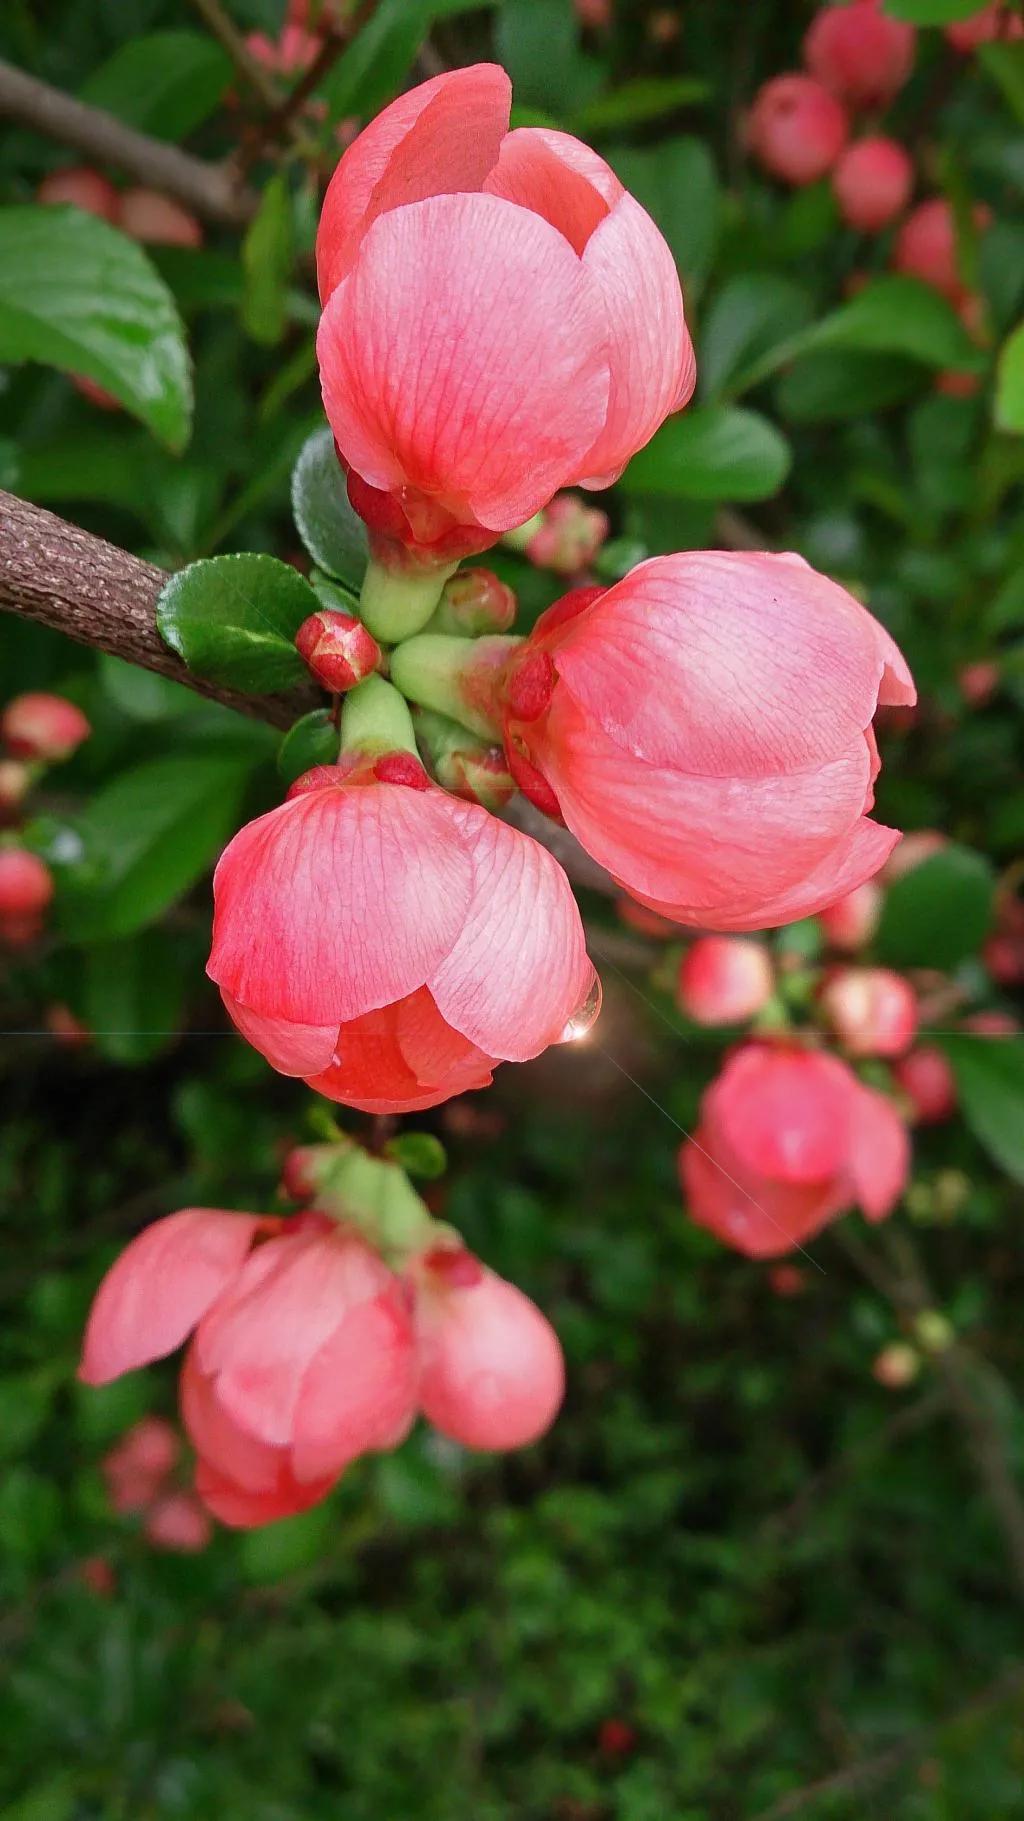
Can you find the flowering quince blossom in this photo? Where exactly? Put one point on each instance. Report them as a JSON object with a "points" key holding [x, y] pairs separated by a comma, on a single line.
{"points": [[704, 729], [41, 726], [859, 52], [724, 980], [789, 1138], [796, 129], [302, 1356], [872, 1010], [390, 943], [501, 319]]}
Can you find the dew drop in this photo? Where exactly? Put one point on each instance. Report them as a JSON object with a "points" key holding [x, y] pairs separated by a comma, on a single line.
{"points": [[585, 1016]]}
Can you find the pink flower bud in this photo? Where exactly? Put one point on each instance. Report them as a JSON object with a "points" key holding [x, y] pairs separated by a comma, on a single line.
{"points": [[787, 1280], [489, 299], [678, 723], [179, 1524], [15, 781], [570, 536], [851, 921], [42, 726], [926, 246], [978, 682], [724, 980], [872, 1010], [478, 774], [96, 1573], [26, 884], [158, 220], [788, 1139], [997, 20], [338, 649], [595, 15], [474, 602], [927, 1080], [1003, 955], [290, 54], [83, 187], [992, 1024], [896, 1366], [796, 129], [491, 1368], [616, 1738], [873, 181], [299, 1175], [859, 52]]}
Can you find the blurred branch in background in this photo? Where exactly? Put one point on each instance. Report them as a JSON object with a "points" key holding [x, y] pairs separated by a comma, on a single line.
{"points": [[212, 190], [252, 72]]}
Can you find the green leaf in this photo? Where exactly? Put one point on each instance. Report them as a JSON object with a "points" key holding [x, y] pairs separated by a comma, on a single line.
{"points": [[131, 995], [419, 1154], [677, 184], [938, 914], [897, 315], [233, 620], [1010, 383], [930, 12], [267, 257], [25, 1402], [989, 1075], [380, 56], [831, 385], [537, 42], [76, 294], [165, 83], [312, 741], [752, 315], [332, 532], [1005, 64], [712, 452], [278, 1550], [635, 103], [147, 837]]}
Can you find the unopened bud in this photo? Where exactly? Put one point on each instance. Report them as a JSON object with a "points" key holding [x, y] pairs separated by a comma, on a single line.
{"points": [[724, 980], [84, 188], [26, 884], [933, 1331], [338, 650], [978, 682], [178, 1523], [569, 537], [159, 221], [872, 1010], [473, 602], [927, 1079], [15, 780], [787, 1280], [479, 774], [299, 1172], [896, 1366], [40, 726], [852, 921]]}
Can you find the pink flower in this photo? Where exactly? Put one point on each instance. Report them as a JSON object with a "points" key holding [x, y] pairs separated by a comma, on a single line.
{"points": [[704, 729], [789, 1138], [491, 1368], [724, 980], [291, 54], [26, 884], [41, 726], [873, 182], [926, 1078], [85, 188], [501, 319], [859, 52], [989, 22], [796, 129], [158, 220], [178, 1523], [569, 537], [390, 943], [301, 1357], [852, 920], [872, 1010], [136, 1469], [926, 246]]}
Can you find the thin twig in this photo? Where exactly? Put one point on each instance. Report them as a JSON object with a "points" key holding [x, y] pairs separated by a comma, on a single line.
{"points": [[227, 34], [212, 190]]}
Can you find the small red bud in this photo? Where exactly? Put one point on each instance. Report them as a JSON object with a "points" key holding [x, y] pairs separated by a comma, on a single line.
{"points": [[787, 1280], [796, 129], [149, 216], [475, 602], [896, 1366], [872, 1010], [873, 181], [83, 187], [926, 1078], [40, 726], [178, 1523], [26, 884], [978, 681], [401, 768], [570, 537], [298, 1173], [64, 1027], [616, 1738], [95, 1573], [338, 649], [852, 921], [724, 980]]}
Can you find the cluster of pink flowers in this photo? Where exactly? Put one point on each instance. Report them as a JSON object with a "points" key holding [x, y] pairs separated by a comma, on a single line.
{"points": [[306, 1351], [36, 731], [141, 1480]]}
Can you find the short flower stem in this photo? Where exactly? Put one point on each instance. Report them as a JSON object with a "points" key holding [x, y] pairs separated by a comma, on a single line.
{"points": [[395, 603], [455, 676], [376, 719]]}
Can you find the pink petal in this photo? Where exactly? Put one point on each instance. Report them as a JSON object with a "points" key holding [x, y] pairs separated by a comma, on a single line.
{"points": [[519, 968], [716, 843], [879, 1162], [442, 137], [240, 1456], [465, 356], [292, 1049], [543, 171], [160, 1287], [359, 1393], [761, 1219], [782, 1112], [338, 902], [243, 1510], [654, 369], [491, 1364], [402, 1059], [727, 663]]}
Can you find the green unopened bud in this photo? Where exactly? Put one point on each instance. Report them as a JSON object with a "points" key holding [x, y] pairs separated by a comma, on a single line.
{"points": [[396, 603], [469, 768], [933, 1331]]}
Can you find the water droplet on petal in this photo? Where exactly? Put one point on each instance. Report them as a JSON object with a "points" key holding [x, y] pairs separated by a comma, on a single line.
{"points": [[585, 1016]]}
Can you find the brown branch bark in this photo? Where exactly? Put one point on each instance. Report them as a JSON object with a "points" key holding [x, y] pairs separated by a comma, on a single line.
{"points": [[212, 190], [63, 577]]}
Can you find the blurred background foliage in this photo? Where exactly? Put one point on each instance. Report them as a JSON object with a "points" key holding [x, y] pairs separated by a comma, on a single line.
{"points": [[740, 1578]]}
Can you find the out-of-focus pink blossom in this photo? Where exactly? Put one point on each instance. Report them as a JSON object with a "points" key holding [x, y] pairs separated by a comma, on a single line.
{"points": [[860, 52], [796, 129], [872, 1010], [724, 980], [873, 181]]}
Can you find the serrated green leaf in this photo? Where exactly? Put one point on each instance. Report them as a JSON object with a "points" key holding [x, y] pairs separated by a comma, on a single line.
{"points": [[938, 914], [78, 295], [712, 452], [164, 83], [233, 620], [989, 1075], [331, 530]]}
